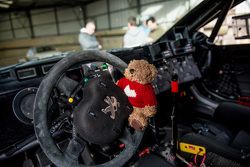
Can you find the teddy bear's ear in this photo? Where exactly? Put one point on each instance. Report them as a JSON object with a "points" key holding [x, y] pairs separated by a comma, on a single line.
{"points": [[153, 71]]}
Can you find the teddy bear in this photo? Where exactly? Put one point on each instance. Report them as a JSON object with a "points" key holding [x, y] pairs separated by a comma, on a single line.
{"points": [[136, 84]]}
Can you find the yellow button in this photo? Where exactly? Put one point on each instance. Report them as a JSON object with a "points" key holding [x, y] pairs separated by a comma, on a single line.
{"points": [[192, 149], [70, 100]]}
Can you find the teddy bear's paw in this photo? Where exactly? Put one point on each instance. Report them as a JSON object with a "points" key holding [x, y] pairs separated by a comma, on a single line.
{"points": [[149, 111], [138, 123]]}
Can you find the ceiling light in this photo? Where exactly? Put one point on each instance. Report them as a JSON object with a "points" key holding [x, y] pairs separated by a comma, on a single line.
{"points": [[4, 5], [6, 2]]}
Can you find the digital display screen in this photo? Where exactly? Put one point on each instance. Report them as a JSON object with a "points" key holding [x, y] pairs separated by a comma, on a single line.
{"points": [[181, 46], [155, 51], [181, 43], [26, 73], [46, 68], [160, 51]]}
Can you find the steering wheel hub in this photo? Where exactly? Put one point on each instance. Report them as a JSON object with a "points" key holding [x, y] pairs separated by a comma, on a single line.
{"points": [[103, 110]]}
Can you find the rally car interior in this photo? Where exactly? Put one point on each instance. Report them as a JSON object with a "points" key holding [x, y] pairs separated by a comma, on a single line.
{"points": [[204, 121]]}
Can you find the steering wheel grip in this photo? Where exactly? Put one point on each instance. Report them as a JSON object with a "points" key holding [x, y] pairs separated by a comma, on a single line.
{"points": [[43, 135]]}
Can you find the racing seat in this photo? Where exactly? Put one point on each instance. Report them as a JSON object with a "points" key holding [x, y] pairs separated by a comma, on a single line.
{"points": [[226, 146]]}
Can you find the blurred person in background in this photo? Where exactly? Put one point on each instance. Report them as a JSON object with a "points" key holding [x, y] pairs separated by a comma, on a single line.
{"points": [[143, 25], [154, 30], [87, 38], [135, 35]]}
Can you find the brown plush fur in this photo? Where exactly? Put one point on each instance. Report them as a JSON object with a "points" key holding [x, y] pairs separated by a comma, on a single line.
{"points": [[137, 119], [149, 111], [142, 72]]}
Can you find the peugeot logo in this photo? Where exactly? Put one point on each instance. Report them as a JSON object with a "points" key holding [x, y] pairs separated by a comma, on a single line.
{"points": [[113, 105]]}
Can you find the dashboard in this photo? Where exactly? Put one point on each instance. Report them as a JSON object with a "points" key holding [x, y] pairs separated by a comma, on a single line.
{"points": [[19, 83], [18, 87], [174, 57]]}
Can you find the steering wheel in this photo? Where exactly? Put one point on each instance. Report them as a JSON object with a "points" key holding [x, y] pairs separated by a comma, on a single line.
{"points": [[88, 113], [205, 59]]}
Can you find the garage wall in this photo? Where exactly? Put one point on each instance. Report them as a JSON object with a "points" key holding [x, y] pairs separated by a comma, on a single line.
{"points": [[59, 26], [108, 14], [42, 22]]}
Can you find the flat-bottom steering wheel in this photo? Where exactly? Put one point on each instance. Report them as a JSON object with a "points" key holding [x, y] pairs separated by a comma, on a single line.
{"points": [[95, 118]]}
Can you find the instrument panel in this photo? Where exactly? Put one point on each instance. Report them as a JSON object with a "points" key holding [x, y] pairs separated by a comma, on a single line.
{"points": [[22, 105], [23, 101], [174, 57], [33, 72]]}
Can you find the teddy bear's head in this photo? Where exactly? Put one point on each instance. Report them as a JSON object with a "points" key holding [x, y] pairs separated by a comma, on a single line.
{"points": [[140, 71]]}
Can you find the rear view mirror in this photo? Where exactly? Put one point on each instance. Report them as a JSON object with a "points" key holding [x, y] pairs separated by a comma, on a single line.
{"points": [[241, 26]]}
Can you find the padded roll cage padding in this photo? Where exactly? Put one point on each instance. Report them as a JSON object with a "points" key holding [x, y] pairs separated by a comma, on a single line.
{"points": [[40, 110]]}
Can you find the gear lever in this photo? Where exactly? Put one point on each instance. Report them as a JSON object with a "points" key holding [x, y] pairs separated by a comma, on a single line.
{"points": [[174, 90]]}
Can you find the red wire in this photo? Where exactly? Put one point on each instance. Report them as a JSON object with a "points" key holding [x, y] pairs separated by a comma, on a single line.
{"points": [[202, 161], [195, 158]]}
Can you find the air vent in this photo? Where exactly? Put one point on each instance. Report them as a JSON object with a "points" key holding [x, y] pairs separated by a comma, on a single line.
{"points": [[4, 75]]}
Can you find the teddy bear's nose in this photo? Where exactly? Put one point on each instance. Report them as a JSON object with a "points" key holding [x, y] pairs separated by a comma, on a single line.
{"points": [[132, 71]]}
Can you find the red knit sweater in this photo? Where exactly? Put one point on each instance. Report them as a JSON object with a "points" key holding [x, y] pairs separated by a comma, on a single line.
{"points": [[139, 95]]}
